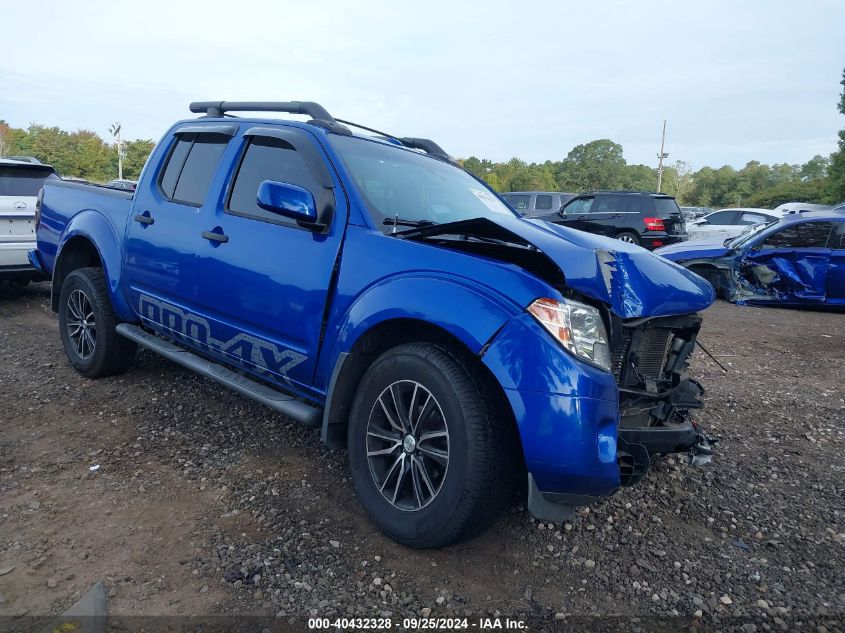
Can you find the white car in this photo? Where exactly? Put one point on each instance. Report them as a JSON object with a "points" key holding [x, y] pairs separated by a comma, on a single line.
{"points": [[726, 223], [20, 182], [801, 206]]}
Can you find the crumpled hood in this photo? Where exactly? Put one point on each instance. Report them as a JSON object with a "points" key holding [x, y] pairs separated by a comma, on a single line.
{"points": [[705, 248], [632, 281]]}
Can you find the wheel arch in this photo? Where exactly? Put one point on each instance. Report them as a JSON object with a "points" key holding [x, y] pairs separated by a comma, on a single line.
{"points": [[89, 240], [713, 274], [353, 364]]}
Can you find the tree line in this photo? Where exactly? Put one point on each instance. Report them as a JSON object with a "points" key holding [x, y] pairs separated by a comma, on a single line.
{"points": [[599, 164], [81, 154]]}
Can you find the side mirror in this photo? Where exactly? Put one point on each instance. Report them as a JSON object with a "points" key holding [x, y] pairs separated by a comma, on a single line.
{"points": [[290, 201], [701, 221]]}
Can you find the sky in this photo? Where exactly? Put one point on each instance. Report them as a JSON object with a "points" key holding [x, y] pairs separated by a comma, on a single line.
{"points": [[737, 81]]}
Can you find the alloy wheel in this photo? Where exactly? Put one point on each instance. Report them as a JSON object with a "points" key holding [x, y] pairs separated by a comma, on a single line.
{"points": [[407, 445], [626, 238], [81, 325]]}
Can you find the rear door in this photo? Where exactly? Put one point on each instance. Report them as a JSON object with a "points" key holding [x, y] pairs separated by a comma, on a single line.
{"points": [[792, 263], [164, 234], [19, 186], [606, 214]]}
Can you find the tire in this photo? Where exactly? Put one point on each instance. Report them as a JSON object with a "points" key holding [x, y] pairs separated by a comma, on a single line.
{"points": [[630, 237], [87, 326], [435, 503]]}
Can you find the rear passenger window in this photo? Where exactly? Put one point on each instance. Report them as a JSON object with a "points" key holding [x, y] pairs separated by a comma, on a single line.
{"points": [[543, 203], [191, 167], [521, 203], [608, 204], [807, 235], [267, 158], [752, 218]]}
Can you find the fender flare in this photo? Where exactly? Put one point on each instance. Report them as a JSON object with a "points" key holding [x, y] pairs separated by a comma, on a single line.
{"points": [[92, 226]]}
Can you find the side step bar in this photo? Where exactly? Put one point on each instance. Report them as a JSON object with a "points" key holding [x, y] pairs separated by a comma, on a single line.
{"points": [[277, 400]]}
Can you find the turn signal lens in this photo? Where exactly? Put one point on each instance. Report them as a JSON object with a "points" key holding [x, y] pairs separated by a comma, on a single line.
{"points": [[577, 326]]}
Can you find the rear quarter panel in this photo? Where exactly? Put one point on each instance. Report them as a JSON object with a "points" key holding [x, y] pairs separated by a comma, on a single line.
{"points": [[71, 210]]}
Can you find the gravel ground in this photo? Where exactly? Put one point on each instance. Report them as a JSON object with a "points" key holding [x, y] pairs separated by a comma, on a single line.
{"points": [[205, 503]]}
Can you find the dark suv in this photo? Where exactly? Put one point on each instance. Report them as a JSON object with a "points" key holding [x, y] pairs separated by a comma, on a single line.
{"points": [[648, 219]]}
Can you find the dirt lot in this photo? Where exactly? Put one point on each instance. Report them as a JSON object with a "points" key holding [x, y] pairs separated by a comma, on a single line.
{"points": [[205, 503]]}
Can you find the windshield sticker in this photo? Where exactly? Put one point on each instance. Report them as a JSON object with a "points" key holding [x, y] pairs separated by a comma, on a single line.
{"points": [[490, 201]]}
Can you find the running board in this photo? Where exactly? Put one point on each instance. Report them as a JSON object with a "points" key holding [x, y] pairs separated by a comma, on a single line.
{"points": [[277, 400]]}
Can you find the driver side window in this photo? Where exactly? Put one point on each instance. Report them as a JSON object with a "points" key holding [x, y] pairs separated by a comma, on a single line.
{"points": [[807, 235], [581, 205]]}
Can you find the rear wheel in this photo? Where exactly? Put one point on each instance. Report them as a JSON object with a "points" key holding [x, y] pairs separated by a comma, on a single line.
{"points": [[87, 326], [428, 456], [629, 237]]}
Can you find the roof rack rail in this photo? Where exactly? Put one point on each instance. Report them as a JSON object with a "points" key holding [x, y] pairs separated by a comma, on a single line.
{"points": [[424, 144], [319, 115]]}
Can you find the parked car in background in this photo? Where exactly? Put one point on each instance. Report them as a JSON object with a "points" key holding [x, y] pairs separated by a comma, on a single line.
{"points": [[797, 260], [693, 213], [373, 288], [536, 204], [839, 206], [20, 182], [24, 159], [801, 206], [726, 223], [643, 218], [126, 185]]}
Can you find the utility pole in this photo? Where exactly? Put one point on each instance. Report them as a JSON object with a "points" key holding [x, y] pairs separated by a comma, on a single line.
{"points": [[661, 156], [121, 149]]}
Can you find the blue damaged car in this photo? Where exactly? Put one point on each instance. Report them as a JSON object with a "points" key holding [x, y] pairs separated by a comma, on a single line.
{"points": [[365, 284], [798, 260]]}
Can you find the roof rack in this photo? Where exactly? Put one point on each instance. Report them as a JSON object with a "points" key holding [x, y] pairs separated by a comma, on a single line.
{"points": [[426, 145], [319, 116]]}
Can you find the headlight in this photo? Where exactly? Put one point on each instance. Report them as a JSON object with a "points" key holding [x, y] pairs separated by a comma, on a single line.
{"points": [[577, 326]]}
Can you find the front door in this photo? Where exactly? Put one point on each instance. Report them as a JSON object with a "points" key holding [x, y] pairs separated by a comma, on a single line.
{"points": [[264, 283]]}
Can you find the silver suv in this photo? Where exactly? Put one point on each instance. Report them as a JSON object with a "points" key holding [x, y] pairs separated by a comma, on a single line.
{"points": [[532, 204], [20, 182]]}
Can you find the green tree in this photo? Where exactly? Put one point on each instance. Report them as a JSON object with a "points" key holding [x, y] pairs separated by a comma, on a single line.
{"points": [[835, 188], [595, 165]]}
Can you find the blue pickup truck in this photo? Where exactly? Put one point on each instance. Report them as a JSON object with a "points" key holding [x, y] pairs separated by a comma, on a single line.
{"points": [[367, 285]]}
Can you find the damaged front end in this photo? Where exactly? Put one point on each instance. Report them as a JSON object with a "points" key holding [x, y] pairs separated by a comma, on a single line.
{"points": [[650, 359]]}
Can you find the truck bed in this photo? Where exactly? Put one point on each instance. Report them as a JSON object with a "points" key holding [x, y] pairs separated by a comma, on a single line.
{"points": [[64, 200]]}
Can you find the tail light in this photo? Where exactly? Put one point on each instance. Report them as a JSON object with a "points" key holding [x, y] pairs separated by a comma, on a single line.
{"points": [[38, 202], [654, 224]]}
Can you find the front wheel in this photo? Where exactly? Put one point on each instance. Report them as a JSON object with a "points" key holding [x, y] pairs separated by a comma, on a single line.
{"points": [[428, 456], [87, 326]]}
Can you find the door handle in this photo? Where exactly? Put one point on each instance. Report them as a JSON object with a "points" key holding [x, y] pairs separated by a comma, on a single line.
{"points": [[145, 219], [215, 237]]}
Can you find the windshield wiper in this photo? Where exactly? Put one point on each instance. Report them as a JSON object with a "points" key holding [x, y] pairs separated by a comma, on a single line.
{"points": [[397, 221]]}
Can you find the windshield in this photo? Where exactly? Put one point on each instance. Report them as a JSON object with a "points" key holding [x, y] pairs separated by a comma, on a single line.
{"points": [[396, 182], [747, 234]]}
